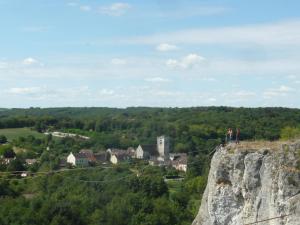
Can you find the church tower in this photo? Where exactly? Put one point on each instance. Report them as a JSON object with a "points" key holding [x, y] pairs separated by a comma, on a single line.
{"points": [[163, 145]]}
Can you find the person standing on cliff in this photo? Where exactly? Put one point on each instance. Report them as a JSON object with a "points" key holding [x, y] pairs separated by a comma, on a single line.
{"points": [[227, 138], [230, 134], [238, 132]]}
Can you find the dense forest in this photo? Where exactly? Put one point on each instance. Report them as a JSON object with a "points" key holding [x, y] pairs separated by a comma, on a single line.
{"points": [[98, 196], [130, 193], [190, 128]]}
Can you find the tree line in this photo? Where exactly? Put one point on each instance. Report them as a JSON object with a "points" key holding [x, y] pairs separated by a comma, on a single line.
{"points": [[190, 129]]}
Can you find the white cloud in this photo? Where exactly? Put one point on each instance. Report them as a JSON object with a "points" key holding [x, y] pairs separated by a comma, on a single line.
{"points": [[115, 9], [29, 61], [118, 61], [46, 93], [165, 93], [245, 94], [172, 63], [137, 67], [186, 62], [164, 47], [24, 90], [210, 79], [239, 95], [211, 99], [157, 80], [85, 8], [269, 34], [106, 92], [292, 77], [191, 60], [284, 88], [281, 91], [3, 65], [72, 4], [238, 98], [231, 67]]}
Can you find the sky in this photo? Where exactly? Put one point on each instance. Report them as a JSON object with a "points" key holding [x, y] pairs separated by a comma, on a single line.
{"points": [[157, 53]]}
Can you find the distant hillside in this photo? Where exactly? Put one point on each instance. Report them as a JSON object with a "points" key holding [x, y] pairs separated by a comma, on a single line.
{"points": [[190, 129]]}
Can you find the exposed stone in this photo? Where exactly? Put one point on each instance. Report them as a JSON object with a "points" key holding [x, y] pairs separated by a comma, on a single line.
{"points": [[250, 185]]}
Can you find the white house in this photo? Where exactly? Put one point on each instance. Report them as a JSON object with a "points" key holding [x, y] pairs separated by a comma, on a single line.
{"points": [[30, 161], [114, 159], [118, 155], [145, 151], [6, 161], [179, 161], [131, 151], [78, 159]]}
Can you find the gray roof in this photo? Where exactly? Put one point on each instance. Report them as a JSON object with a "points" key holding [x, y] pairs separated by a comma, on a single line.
{"points": [[80, 156], [116, 150], [101, 156], [178, 155], [151, 149], [86, 151], [30, 161], [119, 153], [180, 159]]}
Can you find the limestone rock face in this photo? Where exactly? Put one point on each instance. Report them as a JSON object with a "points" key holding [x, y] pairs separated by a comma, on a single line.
{"points": [[250, 185]]}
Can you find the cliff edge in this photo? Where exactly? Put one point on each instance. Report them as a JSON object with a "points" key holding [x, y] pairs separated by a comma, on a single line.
{"points": [[253, 183]]}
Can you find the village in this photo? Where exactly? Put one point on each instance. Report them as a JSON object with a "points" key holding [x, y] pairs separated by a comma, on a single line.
{"points": [[157, 155]]}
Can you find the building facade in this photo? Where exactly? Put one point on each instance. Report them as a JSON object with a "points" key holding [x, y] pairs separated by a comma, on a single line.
{"points": [[145, 151], [77, 159], [163, 147], [117, 155]]}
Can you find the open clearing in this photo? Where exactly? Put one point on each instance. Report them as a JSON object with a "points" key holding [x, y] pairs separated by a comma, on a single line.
{"points": [[13, 133]]}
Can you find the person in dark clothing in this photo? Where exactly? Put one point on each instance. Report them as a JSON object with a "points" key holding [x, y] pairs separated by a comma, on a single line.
{"points": [[230, 134], [238, 132], [227, 138]]}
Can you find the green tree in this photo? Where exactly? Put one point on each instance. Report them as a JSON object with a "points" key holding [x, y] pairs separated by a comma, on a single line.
{"points": [[16, 165], [7, 151], [3, 139], [290, 133]]}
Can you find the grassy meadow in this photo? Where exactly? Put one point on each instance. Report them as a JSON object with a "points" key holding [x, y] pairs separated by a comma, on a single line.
{"points": [[13, 133]]}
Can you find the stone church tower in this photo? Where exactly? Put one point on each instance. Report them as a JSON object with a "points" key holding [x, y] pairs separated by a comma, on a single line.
{"points": [[163, 145]]}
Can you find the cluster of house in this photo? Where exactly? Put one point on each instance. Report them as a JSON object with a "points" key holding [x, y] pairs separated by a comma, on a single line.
{"points": [[7, 161], [86, 157], [27, 162], [158, 154]]}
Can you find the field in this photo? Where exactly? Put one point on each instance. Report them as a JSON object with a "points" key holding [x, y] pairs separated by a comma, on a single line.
{"points": [[13, 133]]}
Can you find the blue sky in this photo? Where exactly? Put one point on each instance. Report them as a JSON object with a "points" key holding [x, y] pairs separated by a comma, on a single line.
{"points": [[176, 53]]}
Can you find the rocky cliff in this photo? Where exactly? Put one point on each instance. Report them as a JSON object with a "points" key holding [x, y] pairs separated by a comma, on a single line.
{"points": [[253, 183]]}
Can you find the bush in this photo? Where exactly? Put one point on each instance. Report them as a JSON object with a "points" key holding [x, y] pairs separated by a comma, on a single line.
{"points": [[3, 139], [7, 151], [290, 133]]}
